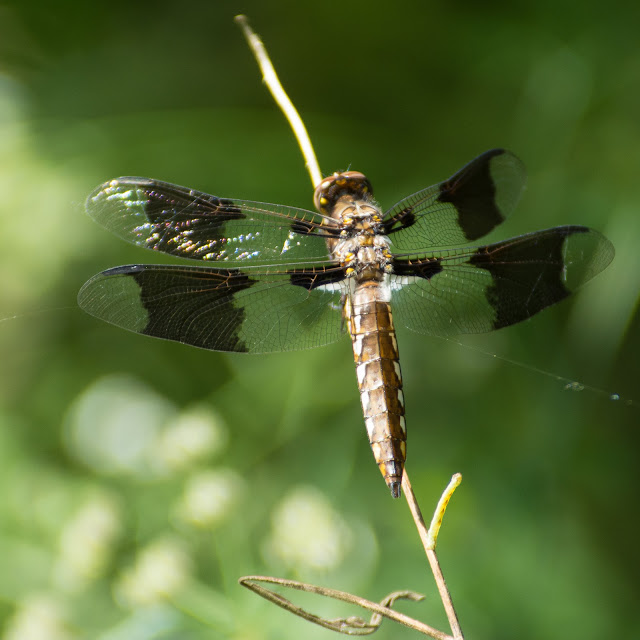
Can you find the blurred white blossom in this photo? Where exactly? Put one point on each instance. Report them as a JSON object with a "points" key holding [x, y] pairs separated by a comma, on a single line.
{"points": [[160, 571], [208, 497], [38, 617], [119, 425], [114, 424], [307, 533], [86, 542], [191, 436]]}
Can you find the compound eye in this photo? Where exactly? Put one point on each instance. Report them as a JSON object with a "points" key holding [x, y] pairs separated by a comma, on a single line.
{"points": [[331, 189]]}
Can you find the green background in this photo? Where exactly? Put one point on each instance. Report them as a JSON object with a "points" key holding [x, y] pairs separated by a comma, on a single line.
{"points": [[140, 478]]}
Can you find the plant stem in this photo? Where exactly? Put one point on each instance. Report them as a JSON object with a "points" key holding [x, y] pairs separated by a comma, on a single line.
{"points": [[270, 78]]}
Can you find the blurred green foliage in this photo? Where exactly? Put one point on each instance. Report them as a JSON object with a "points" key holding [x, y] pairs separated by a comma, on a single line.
{"points": [[140, 478]]}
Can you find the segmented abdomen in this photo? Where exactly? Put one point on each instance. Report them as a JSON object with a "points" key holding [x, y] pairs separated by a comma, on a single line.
{"points": [[375, 352]]}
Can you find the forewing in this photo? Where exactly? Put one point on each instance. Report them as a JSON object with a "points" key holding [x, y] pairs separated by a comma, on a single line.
{"points": [[461, 209], [480, 289], [221, 309], [190, 224]]}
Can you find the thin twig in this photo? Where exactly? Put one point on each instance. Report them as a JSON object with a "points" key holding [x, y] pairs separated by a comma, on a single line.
{"points": [[270, 78], [350, 626], [429, 538]]}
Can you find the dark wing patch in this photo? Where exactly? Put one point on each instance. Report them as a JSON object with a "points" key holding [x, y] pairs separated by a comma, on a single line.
{"points": [[425, 268], [179, 303], [534, 271], [466, 206], [313, 277], [473, 193]]}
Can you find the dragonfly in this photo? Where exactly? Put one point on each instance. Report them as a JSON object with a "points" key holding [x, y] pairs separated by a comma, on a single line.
{"points": [[277, 278]]}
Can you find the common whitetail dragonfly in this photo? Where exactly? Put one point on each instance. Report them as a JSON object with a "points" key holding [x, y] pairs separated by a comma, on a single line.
{"points": [[285, 278]]}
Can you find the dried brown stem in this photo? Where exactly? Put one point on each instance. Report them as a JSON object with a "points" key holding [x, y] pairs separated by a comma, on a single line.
{"points": [[350, 626]]}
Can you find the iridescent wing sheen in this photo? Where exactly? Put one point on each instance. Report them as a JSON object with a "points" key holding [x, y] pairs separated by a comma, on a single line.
{"points": [[222, 309], [479, 289], [463, 208], [190, 224]]}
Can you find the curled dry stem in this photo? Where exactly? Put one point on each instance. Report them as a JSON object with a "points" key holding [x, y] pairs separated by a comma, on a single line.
{"points": [[355, 625], [352, 625]]}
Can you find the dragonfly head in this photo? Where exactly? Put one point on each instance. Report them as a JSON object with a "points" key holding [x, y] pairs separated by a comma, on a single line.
{"points": [[348, 183]]}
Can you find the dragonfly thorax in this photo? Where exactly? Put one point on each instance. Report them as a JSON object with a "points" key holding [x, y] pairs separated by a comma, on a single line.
{"points": [[365, 256]]}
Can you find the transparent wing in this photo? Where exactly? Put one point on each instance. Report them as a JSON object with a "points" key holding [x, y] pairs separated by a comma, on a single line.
{"points": [[191, 224], [485, 288], [221, 309]]}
